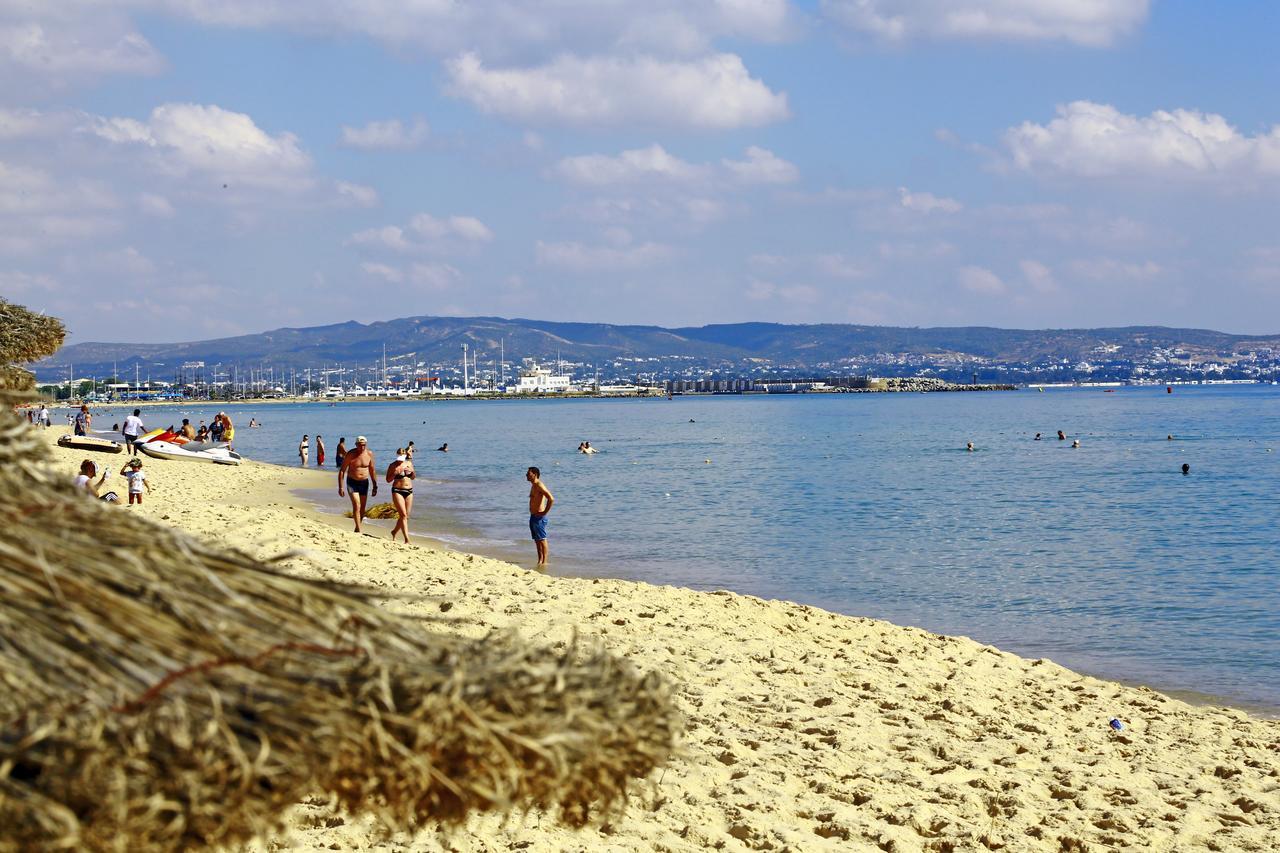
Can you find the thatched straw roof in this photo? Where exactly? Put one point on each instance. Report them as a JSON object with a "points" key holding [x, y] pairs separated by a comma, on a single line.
{"points": [[160, 694]]}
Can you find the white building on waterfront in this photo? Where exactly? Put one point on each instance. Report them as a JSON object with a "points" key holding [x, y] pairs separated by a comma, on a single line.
{"points": [[534, 379]]}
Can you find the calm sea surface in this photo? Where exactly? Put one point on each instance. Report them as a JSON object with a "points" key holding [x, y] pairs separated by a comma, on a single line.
{"points": [[1104, 558]]}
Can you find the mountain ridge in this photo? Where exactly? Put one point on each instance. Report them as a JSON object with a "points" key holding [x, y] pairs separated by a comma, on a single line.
{"points": [[815, 347]]}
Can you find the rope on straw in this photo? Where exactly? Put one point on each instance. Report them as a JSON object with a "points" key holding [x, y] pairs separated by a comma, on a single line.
{"points": [[160, 694]]}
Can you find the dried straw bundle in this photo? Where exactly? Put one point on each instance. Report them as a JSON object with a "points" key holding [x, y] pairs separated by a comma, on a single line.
{"points": [[158, 694]]}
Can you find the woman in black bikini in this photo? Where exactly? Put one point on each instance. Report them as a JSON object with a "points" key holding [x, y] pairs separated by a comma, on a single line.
{"points": [[401, 475]]}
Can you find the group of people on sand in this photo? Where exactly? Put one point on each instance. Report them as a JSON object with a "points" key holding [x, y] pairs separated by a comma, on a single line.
{"points": [[132, 473], [358, 480], [38, 417]]}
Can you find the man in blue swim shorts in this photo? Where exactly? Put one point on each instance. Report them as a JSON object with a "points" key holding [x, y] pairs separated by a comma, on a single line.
{"points": [[540, 501]]}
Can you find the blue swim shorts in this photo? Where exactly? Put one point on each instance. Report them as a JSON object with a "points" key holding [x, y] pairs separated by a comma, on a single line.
{"points": [[538, 527]]}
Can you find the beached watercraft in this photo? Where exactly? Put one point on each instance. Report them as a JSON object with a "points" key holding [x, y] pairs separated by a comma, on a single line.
{"points": [[90, 442], [191, 451]]}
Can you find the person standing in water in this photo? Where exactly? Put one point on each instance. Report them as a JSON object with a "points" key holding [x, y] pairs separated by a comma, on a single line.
{"points": [[358, 472], [540, 502], [340, 451], [400, 475], [304, 448], [319, 450]]}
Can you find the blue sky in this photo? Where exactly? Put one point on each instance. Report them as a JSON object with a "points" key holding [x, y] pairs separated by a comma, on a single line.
{"points": [[181, 169]]}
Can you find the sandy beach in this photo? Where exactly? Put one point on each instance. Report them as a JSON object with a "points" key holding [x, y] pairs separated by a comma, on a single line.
{"points": [[805, 730]]}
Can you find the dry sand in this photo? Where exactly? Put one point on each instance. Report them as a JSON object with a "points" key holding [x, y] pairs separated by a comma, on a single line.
{"points": [[806, 730]]}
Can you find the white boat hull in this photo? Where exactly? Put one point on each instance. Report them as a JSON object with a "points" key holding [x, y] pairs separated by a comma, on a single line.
{"points": [[214, 454]]}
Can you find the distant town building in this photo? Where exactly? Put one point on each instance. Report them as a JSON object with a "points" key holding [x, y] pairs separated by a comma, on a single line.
{"points": [[535, 379]]}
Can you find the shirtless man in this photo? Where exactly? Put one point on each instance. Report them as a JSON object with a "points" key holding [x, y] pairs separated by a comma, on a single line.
{"points": [[540, 501], [357, 470]]}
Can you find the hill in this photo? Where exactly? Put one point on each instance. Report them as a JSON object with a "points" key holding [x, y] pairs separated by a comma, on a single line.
{"points": [[821, 348]]}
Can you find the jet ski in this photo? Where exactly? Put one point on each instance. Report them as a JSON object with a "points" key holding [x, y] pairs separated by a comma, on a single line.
{"points": [[169, 445]]}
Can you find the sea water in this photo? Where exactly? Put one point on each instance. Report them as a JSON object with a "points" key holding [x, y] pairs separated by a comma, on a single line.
{"points": [[1104, 558]]}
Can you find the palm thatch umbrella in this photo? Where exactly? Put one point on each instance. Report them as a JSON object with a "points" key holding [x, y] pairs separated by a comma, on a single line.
{"points": [[157, 693]]}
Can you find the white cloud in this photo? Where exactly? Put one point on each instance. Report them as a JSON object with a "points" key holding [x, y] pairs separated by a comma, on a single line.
{"points": [[508, 27], [389, 135], [762, 166], [759, 290], [830, 265], [434, 276], [980, 280], [29, 190], [357, 194], [1092, 23], [32, 124], [634, 166], [1112, 270], [1263, 264], [712, 93], [582, 258], [128, 262], [155, 205], [220, 143], [464, 227], [62, 46], [383, 271], [653, 166], [1038, 276], [386, 237], [425, 233], [15, 283], [838, 266], [927, 202], [1097, 140]]}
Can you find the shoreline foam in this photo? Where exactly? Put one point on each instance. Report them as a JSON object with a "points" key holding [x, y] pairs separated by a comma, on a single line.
{"points": [[806, 730]]}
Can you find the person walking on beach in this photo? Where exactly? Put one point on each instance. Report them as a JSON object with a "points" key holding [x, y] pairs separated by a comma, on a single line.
{"points": [[400, 475], [44, 415], [132, 429], [319, 450], [304, 447], [540, 501], [340, 451], [358, 471], [83, 421]]}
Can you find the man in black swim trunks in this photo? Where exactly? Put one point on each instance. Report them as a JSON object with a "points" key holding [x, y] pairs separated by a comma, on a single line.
{"points": [[357, 471]]}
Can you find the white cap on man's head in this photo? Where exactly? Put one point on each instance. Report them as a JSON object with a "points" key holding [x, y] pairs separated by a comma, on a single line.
{"points": [[360, 439]]}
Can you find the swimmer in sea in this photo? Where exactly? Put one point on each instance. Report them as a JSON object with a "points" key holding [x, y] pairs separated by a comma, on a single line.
{"points": [[1075, 443], [1186, 469], [1037, 438], [444, 448], [969, 447], [1062, 436]]}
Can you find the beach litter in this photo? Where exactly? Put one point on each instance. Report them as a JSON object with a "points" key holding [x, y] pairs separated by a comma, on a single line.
{"points": [[158, 693]]}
